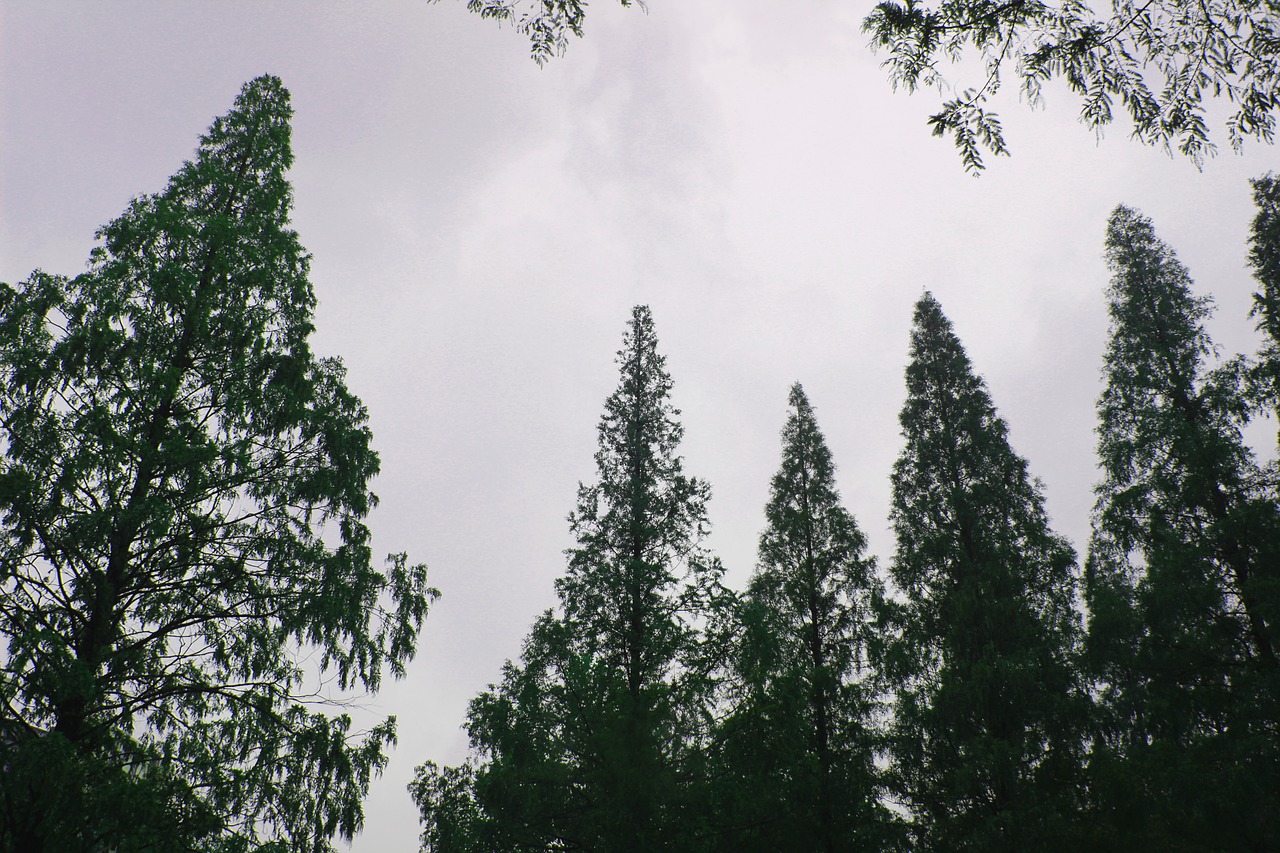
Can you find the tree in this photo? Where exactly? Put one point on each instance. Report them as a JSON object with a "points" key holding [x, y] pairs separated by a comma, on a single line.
{"points": [[799, 745], [1181, 579], [1264, 257], [184, 566], [593, 741], [982, 636], [1161, 59]]}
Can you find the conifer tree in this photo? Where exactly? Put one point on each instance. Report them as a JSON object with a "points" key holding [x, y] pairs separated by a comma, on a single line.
{"points": [[1181, 577], [594, 739], [454, 822], [1264, 257], [982, 643], [799, 744], [182, 493]]}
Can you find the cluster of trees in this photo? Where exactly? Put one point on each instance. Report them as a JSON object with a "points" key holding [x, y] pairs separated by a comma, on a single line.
{"points": [[185, 571], [185, 574], [986, 692]]}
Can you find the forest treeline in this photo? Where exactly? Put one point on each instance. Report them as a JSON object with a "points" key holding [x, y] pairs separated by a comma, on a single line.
{"points": [[183, 553], [987, 689]]}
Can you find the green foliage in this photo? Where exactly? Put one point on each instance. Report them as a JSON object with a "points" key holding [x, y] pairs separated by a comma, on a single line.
{"points": [[547, 23], [1160, 60], [452, 819], [618, 730], [797, 749], [56, 798], [981, 645], [182, 550], [1182, 579], [595, 739], [1264, 257]]}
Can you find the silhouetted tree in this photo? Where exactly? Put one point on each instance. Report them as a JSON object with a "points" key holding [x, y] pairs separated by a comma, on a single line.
{"points": [[1264, 257], [798, 748], [182, 488], [982, 643], [1182, 574], [452, 820], [594, 740]]}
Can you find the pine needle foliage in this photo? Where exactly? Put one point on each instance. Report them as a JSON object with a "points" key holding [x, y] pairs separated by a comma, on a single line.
{"points": [[982, 641], [1182, 573], [799, 746], [596, 738], [182, 493], [1264, 257]]}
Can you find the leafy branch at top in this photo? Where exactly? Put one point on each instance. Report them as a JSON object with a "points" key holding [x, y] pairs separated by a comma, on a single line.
{"points": [[1160, 61]]}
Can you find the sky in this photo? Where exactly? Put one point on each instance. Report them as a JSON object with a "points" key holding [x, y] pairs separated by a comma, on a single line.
{"points": [[481, 227]]}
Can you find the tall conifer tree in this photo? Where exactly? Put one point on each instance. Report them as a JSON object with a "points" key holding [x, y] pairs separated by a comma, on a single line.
{"points": [[593, 741], [1181, 578], [983, 640], [1264, 257], [182, 492], [799, 747]]}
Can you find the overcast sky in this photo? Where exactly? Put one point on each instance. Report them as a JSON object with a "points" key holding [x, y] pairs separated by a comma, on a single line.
{"points": [[481, 228]]}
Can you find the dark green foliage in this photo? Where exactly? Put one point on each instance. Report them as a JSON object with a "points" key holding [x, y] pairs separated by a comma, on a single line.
{"points": [[981, 647], [181, 499], [547, 23], [797, 749], [1182, 573], [57, 798], [451, 817], [615, 731], [1158, 60], [594, 740], [1264, 257]]}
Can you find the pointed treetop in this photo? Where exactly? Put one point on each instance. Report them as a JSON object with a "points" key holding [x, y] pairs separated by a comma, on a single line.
{"points": [[805, 482], [980, 642], [643, 367], [1154, 362], [182, 499], [811, 542], [1148, 282], [641, 524], [803, 497], [639, 426], [941, 382], [802, 425], [239, 168], [254, 135], [959, 470], [797, 399], [216, 242], [932, 335]]}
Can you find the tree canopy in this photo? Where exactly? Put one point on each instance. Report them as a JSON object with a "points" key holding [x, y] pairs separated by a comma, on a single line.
{"points": [[798, 745], [185, 573], [1181, 579]]}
